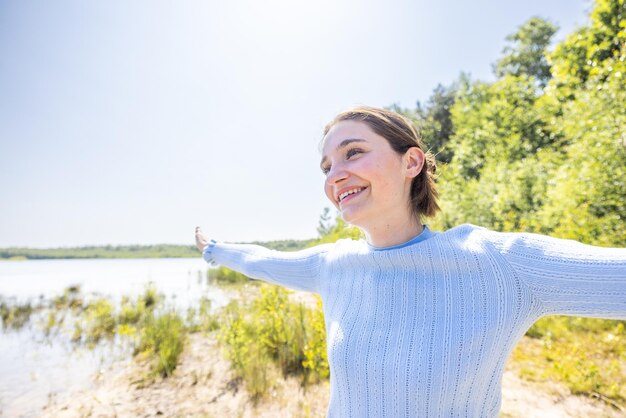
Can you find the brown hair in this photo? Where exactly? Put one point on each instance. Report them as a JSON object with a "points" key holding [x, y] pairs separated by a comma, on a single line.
{"points": [[401, 135]]}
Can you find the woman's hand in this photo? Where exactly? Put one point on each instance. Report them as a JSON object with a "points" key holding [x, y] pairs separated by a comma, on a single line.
{"points": [[201, 240]]}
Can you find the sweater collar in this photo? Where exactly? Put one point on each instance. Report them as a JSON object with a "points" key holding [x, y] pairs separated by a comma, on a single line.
{"points": [[422, 236]]}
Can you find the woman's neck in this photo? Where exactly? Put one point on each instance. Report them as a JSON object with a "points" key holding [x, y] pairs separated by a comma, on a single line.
{"points": [[389, 234]]}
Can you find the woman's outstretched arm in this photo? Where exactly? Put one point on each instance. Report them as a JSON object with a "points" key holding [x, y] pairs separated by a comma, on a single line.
{"points": [[298, 270], [567, 277]]}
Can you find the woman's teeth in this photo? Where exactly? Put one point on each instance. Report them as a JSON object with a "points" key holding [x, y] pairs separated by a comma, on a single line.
{"points": [[349, 192]]}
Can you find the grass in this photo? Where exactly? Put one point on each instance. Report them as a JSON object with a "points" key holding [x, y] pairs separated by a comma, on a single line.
{"points": [[225, 276], [200, 319], [15, 316], [100, 321], [157, 333], [71, 298], [163, 339], [273, 334], [588, 355]]}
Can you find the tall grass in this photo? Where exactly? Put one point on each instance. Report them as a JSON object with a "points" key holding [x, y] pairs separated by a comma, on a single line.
{"points": [[200, 318], [586, 354], [225, 276], [15, 316], [163, 338], [158, 334], [272, 333], [100, 321]]}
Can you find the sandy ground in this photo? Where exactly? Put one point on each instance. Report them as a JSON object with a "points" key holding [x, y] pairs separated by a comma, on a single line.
{"points": [[203, 386]]}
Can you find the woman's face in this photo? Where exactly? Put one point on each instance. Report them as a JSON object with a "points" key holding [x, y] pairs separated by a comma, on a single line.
{"points": [[366, 180]]}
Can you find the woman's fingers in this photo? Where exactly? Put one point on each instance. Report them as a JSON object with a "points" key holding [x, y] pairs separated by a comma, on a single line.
{"points": [[201, 241]]}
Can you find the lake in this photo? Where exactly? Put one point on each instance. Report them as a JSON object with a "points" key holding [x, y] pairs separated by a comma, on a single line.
{"points": [[35, 367]]}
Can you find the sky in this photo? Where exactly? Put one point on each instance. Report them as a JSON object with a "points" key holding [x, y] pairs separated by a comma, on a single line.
{"points": [[132, 122]]}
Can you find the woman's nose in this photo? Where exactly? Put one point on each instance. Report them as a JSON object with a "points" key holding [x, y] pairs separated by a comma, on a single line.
{"points": [[336, 174]]}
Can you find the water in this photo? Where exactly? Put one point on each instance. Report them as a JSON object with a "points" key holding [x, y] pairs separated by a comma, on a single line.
{"points": [[34, 367]]}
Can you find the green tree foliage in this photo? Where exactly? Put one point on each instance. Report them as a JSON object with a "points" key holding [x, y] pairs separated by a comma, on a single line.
{"points": [[434, 120], [552, 160], [436, 125], [325, 223], [591, 50], [526, 53], [340, 229], [586, 196], [498, 173]]}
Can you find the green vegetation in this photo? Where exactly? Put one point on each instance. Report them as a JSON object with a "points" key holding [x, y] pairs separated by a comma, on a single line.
{"points": [[587, 354], [200, 319], [163, 338], [100, 320], [274, 334], [542, 148], [156, 333], [15, 316], [285, 245], [130, 251], [106, 251], [339, 230], [225, 276], [71, 298]]}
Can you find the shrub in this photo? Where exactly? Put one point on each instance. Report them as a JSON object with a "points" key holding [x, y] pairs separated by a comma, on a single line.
{"points": [[586, 354], [201, 319], [15, 316], [100, 321], [163, 337], [224, 275], [274, 333]]}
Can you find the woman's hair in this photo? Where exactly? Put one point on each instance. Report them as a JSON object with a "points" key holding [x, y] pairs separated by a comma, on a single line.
{"points": [[401, 135]]}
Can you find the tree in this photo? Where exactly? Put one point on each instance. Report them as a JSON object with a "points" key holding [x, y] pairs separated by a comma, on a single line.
{"points": [[436, 121], [527, 53], [325, 224]]}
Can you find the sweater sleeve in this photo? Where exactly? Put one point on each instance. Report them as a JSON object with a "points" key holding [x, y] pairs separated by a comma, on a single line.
{"points": [[299, 270], [567, 277]]}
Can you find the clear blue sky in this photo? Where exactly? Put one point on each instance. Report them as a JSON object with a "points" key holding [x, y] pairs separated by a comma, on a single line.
{"points": [[131, 122]]}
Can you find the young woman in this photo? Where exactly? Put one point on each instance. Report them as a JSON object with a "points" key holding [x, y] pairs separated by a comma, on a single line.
{"points": [[420, 323]]}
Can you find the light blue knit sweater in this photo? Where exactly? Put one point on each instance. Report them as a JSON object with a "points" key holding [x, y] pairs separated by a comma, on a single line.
{"points": [[423, 329]]}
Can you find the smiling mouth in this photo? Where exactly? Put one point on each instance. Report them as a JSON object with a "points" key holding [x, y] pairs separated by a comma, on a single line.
{"points": [[349, 193]]}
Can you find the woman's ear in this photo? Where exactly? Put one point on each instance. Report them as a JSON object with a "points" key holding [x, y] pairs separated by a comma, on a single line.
{"points": [[414, 161]]}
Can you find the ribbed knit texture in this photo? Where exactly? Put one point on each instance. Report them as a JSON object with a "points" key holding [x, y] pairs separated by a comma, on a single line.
{"points": [[424, 329]]}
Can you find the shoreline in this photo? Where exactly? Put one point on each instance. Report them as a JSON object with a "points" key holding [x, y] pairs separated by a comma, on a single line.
{"points": [[202, 386]]}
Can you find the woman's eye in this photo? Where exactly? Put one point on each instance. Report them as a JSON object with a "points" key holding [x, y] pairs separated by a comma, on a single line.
{"points": [[349, 154]]}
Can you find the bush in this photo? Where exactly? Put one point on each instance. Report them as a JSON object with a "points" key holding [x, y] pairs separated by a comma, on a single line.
{"points": [[15, 316], [163, 337], [99, 321], [274, 333], [224, 275], [201, 319], [131, 314], [586, 354]]}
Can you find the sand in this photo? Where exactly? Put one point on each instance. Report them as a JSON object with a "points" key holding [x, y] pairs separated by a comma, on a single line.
{"points": [[203, 386]]}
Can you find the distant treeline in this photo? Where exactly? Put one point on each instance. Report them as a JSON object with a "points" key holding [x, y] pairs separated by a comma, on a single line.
{"points": [[129, 251]]}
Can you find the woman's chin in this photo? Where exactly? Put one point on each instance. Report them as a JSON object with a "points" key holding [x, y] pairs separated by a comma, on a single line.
{"points": [[351, 216]]}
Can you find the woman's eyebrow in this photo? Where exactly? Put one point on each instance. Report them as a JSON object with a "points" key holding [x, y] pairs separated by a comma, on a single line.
{"points": [[341, 145]]}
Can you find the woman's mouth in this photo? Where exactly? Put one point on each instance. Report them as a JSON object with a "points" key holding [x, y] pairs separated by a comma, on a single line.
{"points": [[350, 194]]}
